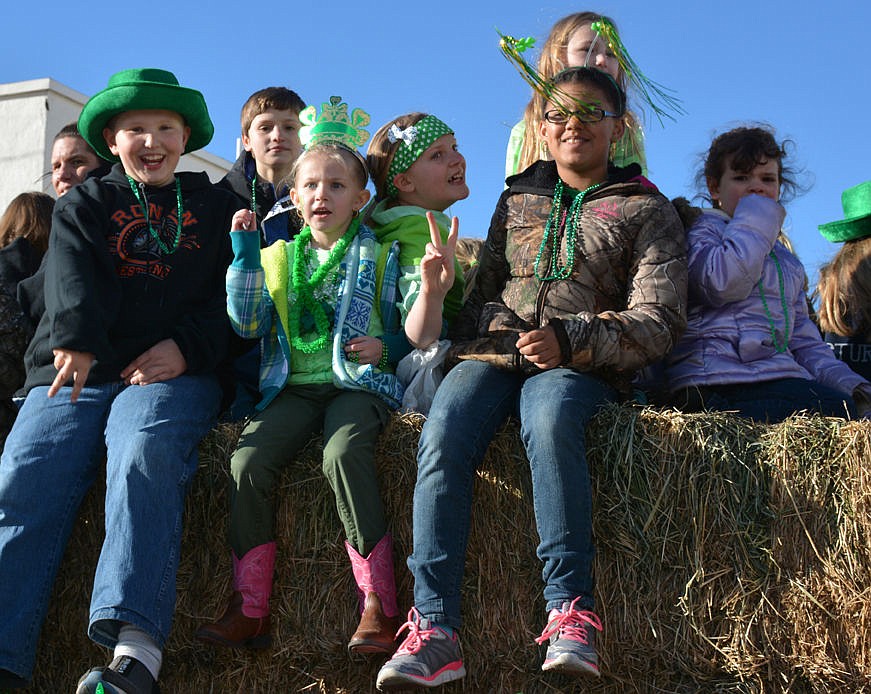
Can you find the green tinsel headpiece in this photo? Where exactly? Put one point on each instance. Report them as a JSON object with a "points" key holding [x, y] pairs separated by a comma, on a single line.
{"points": [[659, 98], [512, 48]]}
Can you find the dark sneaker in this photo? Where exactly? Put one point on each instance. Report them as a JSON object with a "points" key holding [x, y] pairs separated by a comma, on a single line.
{"points": [[428, 657], [124, 675], [572, 636]]}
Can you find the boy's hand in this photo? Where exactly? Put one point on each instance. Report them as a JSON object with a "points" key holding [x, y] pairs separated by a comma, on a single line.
{"points": [[244, 220], [160, 363], [540, 347], [70, 364], [364, 350], [437, 264]]}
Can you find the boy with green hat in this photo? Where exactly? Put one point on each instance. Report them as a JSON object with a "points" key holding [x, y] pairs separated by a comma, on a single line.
{"points": [[123, 368]]}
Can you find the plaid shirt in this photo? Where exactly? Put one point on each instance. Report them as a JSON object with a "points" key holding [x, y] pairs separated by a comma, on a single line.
{"points": [[254, 314]]}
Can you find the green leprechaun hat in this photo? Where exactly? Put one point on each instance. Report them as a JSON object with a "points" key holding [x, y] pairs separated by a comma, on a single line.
{"points": [[856, 224], [145, 89]]}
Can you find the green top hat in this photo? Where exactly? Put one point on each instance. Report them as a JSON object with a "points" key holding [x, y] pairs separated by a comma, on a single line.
{"points": [[856, 224], [144, 89]]}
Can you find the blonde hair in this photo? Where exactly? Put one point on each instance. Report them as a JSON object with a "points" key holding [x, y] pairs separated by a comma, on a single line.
{"points": [[553, 59], [334, 151], [28, 215], [844, 290]]}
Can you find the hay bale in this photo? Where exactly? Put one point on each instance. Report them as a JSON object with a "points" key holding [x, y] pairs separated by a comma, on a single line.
{"points": [[732, 557]]}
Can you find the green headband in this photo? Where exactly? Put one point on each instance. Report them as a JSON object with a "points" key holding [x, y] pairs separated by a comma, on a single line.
{"points": [[414, 141], [335, 126]]}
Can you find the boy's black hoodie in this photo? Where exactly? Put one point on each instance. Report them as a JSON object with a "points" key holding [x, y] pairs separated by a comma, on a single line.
{"points": [[110, 290], [285, 225]]}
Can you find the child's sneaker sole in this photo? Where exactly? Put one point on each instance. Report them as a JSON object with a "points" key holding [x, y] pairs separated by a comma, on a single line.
{"points": [[399, 680], [571, 665]]}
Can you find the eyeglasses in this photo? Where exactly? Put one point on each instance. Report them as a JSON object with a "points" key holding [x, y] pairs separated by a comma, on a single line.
{"points": [[584, 115]]}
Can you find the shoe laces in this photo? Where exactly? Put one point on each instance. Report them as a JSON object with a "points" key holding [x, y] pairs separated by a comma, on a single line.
{"points": [[570, 624], [416, 635]]}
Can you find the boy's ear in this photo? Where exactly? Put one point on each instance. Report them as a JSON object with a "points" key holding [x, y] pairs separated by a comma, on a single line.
{"points": [[246, 142], [186, 134], [109, 137]]}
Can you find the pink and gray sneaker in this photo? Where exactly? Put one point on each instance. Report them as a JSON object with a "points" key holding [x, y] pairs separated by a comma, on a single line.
{"points": [[572, 636], [428, 657]]}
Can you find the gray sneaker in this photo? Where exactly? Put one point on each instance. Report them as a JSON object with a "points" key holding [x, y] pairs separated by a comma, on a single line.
{"points": [[428, 657], [572, 636]]}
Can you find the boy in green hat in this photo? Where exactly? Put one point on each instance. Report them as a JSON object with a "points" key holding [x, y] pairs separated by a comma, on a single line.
{"points": [[123, 368]]}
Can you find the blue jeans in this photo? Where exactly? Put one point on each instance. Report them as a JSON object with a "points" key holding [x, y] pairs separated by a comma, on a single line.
{"points": [[149, 435], [768, 401], [554, 408]]}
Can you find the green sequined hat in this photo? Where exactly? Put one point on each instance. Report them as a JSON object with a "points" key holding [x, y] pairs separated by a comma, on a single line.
{"points": [[413, 141], [144, 89], [334, 124], [856, 202]]}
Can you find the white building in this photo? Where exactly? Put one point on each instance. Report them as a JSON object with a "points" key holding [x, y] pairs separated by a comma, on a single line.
{"points": [[31, 113]]}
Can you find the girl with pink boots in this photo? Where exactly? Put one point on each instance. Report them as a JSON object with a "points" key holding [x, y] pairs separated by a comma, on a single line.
{"points": [[327, 368]]}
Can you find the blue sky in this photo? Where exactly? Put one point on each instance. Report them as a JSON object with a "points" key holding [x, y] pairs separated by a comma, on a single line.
{"points": [[780, 62]]}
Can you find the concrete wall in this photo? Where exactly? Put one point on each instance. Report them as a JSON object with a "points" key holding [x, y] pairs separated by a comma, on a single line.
{"points": [[31, 113]]}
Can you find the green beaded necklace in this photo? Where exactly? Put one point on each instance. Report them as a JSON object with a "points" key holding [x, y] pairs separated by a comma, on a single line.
{"points": [[303, 288], [778, 345], [551, 234], [167, 250], [254, 195]]}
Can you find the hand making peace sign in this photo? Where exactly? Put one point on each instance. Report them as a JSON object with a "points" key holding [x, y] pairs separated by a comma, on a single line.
{"points": [[437, 264]]}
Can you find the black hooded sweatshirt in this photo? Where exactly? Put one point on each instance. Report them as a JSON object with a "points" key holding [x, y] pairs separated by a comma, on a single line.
{"points": [[111, 290]]}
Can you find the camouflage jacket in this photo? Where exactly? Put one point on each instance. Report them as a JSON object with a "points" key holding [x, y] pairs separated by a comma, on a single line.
{"points": [[622, 307]]}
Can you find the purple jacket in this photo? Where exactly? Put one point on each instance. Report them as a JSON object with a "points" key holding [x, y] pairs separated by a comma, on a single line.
{"points": [[729, 333]]}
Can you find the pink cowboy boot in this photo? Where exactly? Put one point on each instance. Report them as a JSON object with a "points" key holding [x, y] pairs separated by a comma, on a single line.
{"points": [[245, 622], [376, 589]]}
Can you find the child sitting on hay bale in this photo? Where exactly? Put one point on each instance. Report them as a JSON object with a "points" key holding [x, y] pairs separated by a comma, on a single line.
{"points": [[122, 367], [325, 369], [845, 295], [750, 345], [549, 338]]}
